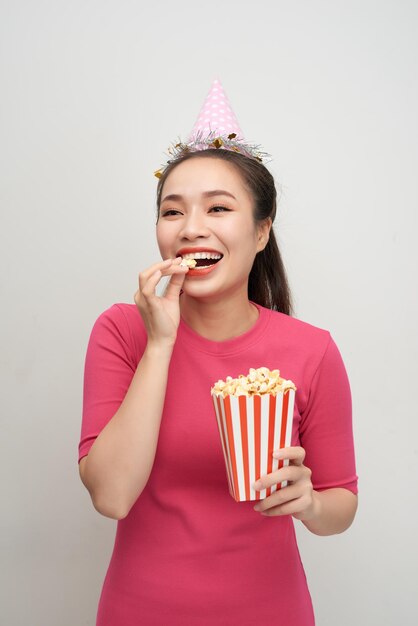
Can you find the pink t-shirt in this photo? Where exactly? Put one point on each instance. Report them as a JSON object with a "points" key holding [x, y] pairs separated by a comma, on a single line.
{"points": [[187, 554]]}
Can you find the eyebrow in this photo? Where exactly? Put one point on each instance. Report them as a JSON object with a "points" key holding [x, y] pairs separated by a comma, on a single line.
{"points": [[206, 194]]}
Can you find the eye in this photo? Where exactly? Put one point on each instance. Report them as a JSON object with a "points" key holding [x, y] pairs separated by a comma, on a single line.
{"points": [[169, 213], [219, 208]]}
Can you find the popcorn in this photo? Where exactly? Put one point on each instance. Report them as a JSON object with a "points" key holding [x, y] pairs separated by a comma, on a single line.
{"points": [[254, 414], [258, 381], [190, 263]]}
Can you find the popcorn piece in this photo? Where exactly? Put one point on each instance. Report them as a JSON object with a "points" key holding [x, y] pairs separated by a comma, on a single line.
{"points": [[258, 382], [190, 263]]}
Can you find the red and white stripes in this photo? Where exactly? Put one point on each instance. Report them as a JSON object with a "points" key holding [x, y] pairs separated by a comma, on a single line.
{"points": [[251, 428]]}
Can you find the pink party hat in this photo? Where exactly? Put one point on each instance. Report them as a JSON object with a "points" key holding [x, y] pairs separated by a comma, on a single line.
{"points": [[216, 128], [216, 117]]}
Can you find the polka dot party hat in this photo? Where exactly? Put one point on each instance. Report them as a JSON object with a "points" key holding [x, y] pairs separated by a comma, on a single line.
{"points": [[216, 116], [216, 128]]}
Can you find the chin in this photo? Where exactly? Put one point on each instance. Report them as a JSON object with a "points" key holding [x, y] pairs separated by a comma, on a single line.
{"points": [[199, 291], [205, 291]]}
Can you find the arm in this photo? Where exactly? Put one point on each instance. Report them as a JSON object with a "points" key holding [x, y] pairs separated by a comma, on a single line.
{"points": [[327, 512], [333, 511], [322, 493], [119, 463]]}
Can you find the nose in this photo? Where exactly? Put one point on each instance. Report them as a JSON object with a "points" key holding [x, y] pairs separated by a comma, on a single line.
{"points": [[194, 226]]}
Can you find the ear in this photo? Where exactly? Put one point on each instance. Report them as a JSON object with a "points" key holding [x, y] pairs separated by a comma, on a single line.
{"points": [[263, 233]]}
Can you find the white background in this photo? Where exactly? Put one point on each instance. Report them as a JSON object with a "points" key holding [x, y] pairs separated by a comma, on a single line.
{"points": [[92, 93]]}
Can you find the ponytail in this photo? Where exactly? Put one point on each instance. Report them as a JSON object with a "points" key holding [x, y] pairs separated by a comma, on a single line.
{"points": [[268, 284]]}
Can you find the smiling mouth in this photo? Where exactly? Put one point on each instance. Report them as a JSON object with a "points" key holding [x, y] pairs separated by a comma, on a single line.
{"points": [[203, 259]]}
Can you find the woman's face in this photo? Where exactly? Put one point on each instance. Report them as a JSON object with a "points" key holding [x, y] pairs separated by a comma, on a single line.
{"points": [[206, 213]]}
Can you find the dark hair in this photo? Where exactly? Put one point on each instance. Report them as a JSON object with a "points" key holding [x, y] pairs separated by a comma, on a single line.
{"points": [[267, 283]]}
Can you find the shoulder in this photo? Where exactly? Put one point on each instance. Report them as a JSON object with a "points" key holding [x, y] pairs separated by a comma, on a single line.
{"points": [[303, 348], [123, 324], [310, 357], [121, 315], [297, 333]]}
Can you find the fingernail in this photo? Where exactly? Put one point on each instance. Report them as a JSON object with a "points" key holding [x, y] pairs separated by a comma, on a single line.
{"points": [[277, 454], [257, 485], [257, 507]]}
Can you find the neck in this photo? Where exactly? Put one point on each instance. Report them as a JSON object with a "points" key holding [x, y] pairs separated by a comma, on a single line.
{"points": [[219, 320]]}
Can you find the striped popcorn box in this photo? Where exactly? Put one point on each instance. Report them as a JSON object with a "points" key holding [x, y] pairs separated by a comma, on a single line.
{"points": [[251, 428]]}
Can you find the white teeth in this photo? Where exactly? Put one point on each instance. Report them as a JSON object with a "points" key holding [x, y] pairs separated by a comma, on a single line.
{"points": [[202, 255]]}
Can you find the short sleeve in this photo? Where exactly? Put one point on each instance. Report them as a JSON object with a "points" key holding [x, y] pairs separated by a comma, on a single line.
{"points": [[326, 431], [110, 365]]}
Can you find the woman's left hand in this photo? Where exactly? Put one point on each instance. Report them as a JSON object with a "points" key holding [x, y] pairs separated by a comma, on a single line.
{"points": [[298, 497]]}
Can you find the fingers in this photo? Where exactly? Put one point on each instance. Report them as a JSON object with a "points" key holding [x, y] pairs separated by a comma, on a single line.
{"points": [[291, 473], [145, 275], [295, 454], [161, 314], [280, 503], [149, 287], [174, 286], [167, 268], [294, 499], [279, 498], [149, 278]]}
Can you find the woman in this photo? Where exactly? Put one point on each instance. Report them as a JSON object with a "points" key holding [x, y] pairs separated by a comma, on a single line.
{"points": [[185, 552]]}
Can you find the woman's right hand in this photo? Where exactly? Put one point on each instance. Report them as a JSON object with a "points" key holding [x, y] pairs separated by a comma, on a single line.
{"points": [[161, 314]]}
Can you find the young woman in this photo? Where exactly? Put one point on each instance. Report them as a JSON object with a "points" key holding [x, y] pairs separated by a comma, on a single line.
{"points": [[150, 455]]}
